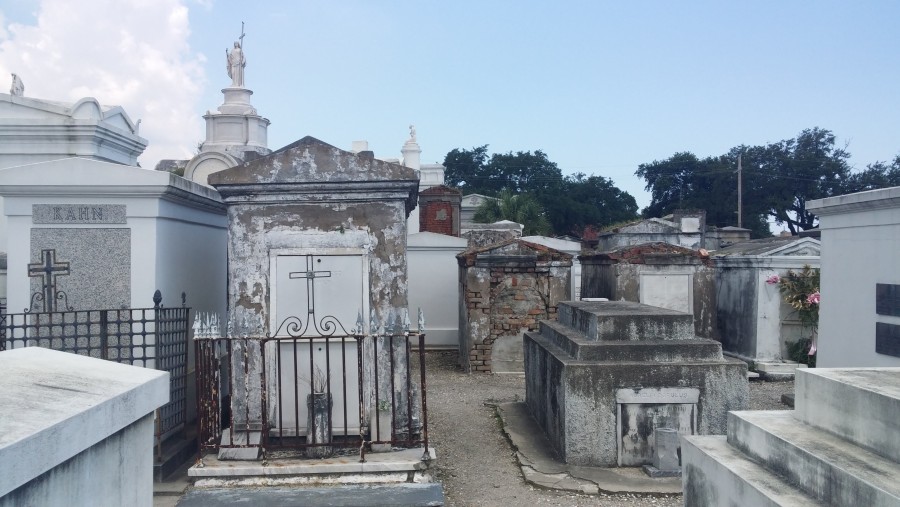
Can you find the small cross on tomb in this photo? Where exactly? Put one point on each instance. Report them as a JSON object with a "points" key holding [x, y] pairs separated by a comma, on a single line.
{"points": [[48, 269], [310, 275]]}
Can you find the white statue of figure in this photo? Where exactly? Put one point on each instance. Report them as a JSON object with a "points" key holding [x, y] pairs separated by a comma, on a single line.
{"points": [[17, 88], [236, 63], [412, 133]]}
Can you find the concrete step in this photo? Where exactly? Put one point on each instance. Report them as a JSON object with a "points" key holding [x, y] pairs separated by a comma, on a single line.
{"points": [[715, 474], [625, 321], [395, 495], [581, 348], [859, 404], [827, 467]]}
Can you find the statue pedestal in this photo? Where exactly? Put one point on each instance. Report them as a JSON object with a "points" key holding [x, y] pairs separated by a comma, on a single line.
{"points": [[237, 101]]}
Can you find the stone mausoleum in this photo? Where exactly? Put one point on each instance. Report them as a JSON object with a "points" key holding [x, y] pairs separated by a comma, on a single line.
{"points": [[607, 375]]}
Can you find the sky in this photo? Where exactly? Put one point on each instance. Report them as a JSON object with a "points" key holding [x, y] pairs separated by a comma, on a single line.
{"points": [[600, 87]]}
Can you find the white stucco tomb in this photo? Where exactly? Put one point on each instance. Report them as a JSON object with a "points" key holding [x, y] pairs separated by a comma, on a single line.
{"points": [[859, 316], [125, 232], [754, 322]]}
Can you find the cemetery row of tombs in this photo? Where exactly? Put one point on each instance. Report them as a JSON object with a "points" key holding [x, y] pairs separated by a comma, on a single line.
{"points": [[291, 290], [316, 348]]}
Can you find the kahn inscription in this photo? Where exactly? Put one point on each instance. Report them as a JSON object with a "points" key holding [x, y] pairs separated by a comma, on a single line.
{"points": [[78, 214]]}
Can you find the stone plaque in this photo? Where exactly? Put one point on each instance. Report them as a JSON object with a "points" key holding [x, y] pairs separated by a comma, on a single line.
{"points": [[671, 291], [887, 339], [99, 264], [887, 299], [78, 214], [641, 411]]}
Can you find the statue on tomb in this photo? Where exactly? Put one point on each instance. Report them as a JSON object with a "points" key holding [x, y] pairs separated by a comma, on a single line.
{"points": [[235, 65], [412, 133], [17, 88]]}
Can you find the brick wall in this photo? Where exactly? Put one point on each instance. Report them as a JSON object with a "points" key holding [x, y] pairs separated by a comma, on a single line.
{"points": [[437, 217], [505, 290]]}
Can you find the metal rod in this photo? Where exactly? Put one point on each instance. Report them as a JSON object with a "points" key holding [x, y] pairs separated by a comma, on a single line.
{"points": [[427, 455]]}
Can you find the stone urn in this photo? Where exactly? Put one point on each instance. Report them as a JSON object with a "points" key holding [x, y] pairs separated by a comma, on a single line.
{"points": [[318, 424]]}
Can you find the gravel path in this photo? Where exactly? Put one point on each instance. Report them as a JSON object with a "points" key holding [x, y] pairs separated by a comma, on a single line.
{"points": [[474, 459]]}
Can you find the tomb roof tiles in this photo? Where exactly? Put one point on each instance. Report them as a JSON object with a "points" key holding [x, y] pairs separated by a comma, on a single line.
{"points": [[639, 254], [776, 245], [513, 248]]}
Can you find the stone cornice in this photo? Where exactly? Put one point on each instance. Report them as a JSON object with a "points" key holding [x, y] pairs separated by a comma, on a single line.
{"points": [[884, 198]]}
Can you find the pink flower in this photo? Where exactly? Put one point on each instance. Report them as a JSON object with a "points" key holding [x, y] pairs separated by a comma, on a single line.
{"points": [[812, 349], [814, 298], [772, 280]]}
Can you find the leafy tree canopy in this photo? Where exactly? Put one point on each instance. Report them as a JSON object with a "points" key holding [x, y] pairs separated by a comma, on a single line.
{"points": [[778, 180], [569, 203]]}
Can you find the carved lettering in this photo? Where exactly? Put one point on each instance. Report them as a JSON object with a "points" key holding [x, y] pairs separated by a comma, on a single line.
{"points": [[79, 214]]}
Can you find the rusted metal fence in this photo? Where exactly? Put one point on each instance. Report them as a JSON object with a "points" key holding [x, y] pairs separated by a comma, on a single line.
{"points": [[312, 394], [148, 337]]}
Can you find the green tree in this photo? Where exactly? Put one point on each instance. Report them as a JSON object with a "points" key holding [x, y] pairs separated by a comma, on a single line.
{"points": [[778, 180], [519, 208], [571, 203]]}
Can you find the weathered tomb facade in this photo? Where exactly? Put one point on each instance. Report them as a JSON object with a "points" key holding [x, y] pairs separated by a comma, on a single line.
{"points": [[601, 379], [316, 238], [656, 274], [754, 322], [505, 290], [686, 228]]}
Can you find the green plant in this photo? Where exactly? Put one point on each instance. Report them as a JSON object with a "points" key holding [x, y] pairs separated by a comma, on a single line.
{"points": [[801, 291], [319, 381]]}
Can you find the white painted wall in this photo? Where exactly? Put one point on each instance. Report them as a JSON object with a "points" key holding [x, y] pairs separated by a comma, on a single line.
{"points": [[76, 430], [860, 242], [434, 285]]}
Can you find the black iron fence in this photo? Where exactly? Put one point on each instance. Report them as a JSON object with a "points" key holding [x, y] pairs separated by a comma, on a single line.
{"points": [[148, 337], [316, 395]]}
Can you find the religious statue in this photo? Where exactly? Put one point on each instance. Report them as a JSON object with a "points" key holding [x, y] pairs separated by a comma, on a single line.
{"points": [[412, 133], [235, 65], [17, 88]]}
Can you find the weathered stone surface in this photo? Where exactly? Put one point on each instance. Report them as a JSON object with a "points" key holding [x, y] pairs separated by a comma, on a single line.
{"points": [[625, 321], [311, 198], [572, 385], [506, 289]]}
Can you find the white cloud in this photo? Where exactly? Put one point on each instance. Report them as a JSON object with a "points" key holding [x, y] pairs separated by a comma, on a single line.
{"points": [[132, 53]]}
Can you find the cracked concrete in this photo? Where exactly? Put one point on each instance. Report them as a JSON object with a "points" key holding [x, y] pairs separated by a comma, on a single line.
{"points": [[541, 468]]}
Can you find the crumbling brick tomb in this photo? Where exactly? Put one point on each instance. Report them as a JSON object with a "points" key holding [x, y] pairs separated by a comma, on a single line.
{"points": [[506, 289]]}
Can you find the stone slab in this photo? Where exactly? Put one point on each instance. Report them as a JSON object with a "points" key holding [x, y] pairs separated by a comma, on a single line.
{"points": [[826, 467], [540, 466], [406, 460], [859, 404], [778, 367], [99, 264], [716, 474], [654, 472], [579, 346], [57, 404], [398, 495], [625, 321], [251, 438]]}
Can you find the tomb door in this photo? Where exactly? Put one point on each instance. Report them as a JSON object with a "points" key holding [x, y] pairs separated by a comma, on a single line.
{"points": [[641, 411], [317, 299]]}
